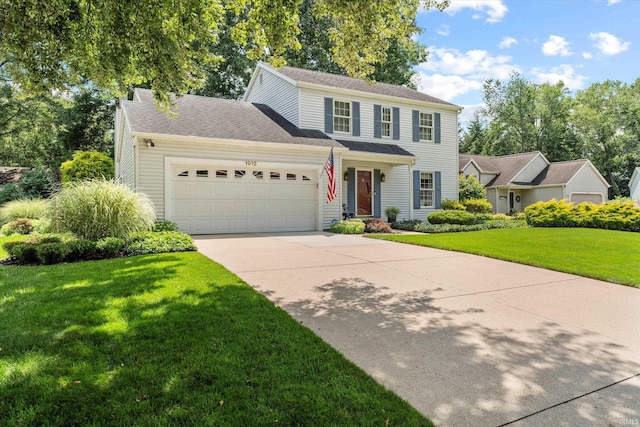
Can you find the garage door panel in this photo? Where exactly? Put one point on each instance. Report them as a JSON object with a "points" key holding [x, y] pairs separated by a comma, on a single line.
{"points": [[210, 199]]}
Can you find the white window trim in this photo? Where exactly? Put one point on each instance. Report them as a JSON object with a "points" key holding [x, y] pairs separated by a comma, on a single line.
{"points": [[426, 127], [383, 121], [432, 189], [350, 116]]}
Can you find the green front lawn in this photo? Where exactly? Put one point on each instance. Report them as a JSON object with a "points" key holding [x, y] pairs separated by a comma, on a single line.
{"points": [[608, 255], [169, 339]]}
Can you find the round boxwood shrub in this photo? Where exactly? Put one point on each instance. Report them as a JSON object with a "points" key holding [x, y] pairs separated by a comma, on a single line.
{"points": [[448, 205], [451, 217], [348, 227], [87, 165], [477, 206], [96, 209]]}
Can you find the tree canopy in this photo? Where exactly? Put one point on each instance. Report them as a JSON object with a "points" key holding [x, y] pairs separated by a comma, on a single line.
{"points": [[118, 44]]}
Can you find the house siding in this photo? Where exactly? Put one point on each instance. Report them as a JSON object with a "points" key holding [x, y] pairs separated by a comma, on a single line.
{"points": [[532, 170], [277, 93], [430, 156], [541, 194], [587, 181], [634, 187], [125, 151]]}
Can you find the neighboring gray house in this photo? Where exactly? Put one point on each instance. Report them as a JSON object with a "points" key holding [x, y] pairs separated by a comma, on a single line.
{"points": [[513, 182], [226, 166], [634, 185]]}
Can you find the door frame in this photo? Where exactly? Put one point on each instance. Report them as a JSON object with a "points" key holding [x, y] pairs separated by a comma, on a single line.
{"points": [[371, 208]]}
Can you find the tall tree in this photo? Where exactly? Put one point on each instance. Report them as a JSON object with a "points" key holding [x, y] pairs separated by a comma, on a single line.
{"points": [[116, 44], [598, 123], [554, 136]]}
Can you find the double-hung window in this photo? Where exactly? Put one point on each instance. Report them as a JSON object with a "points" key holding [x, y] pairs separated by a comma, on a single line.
{"points": [[426, 189], [426, 127], [386, 121], [342, 116]]}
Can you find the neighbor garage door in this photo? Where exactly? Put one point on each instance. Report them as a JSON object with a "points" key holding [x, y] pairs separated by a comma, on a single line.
{"points": [[207, 199], [596, 198]]}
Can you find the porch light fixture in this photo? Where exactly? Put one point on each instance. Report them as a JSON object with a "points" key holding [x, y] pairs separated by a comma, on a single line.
{"points": [[150, 143], [383, 177], [345, 176]]}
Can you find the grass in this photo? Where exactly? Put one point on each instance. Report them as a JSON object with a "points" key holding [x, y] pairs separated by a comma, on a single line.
{"points": [[169, 339], [608, 255]]}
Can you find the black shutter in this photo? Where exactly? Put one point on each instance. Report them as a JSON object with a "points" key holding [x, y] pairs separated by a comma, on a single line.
{"points": [[438, 188], [328, 115], [395, 117], [436, 125], [377, 201], [355, 110], [377, 121], [351, 190], [416, 189], [416, 125]]}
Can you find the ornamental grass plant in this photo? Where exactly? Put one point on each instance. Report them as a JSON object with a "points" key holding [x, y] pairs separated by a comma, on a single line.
{"points": [[24, 208], [101, 208]]}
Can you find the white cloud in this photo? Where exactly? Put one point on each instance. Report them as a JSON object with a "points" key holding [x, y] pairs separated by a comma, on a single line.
{"points": [[444, 30], [608, 44], [475, 64], [610, 2], [467, 114], [494, 10], [446, 87], [587, 55], [507, 42], [556, 46], [564, 72]]}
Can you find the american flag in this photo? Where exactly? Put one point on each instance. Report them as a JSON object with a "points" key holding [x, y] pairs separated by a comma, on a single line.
{"points": [[329, 169]]}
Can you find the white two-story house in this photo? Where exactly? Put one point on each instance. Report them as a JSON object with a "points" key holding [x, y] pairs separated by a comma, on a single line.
{"points": [[257, 165]]}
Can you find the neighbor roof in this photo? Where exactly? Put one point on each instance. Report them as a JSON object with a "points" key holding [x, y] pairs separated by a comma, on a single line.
{"points": [[201, 116], [559, 173], [507, 166], [344, 82]]}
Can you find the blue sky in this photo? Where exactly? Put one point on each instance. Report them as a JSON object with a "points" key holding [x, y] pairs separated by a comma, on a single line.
{"points": [[577, 41]]}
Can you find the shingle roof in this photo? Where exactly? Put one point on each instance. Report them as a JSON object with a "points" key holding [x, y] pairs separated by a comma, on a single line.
{"points": [[11, 174], [558, 173], [507, 166], [371, 147], [344, 82], [201, 116]]}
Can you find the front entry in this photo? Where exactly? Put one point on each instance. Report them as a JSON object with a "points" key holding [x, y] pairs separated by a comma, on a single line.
{"points": [[364, 186]]}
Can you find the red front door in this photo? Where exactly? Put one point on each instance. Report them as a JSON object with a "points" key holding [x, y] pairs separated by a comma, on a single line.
{"points": [[364, 206]]}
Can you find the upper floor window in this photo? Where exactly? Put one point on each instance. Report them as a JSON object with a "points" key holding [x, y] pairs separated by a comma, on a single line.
{"points": [[386, 121], [342, 116], [426, 189], [426, 127]]}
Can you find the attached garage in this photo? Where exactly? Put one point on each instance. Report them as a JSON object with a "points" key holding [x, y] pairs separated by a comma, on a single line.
{"points": [[225, 197]]}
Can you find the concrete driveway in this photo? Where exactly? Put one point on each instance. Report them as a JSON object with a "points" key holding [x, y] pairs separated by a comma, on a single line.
{"points": [[466, 340]]}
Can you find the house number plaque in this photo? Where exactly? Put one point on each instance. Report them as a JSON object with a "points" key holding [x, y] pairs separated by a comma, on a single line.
{"points": [[250, 163]]}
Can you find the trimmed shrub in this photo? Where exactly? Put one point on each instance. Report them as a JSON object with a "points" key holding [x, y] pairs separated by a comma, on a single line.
{"points": [[348, 227], [453, 228], [97, 209], [37, 183], [24, 208], [109, 247], [449, 205], [165, 225], [87, 165], [477, 206], [376, 226], [10, 192], [81, 249], [159, 242], [23, 252], [407, 224], [615, 215], [470, 188], [451, 217], [51, 253], [18, 226]]}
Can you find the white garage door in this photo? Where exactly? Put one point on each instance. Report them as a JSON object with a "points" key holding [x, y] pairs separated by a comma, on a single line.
{"points": [[231, 199], [596, 198]]}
